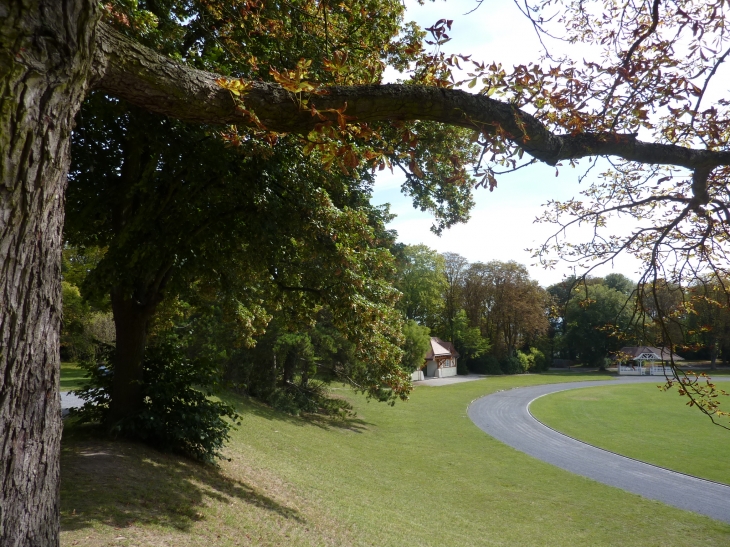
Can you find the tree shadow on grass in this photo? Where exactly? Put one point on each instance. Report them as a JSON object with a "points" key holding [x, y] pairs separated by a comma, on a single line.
{"points": [[122, 484], [247, 405], [575, 373]]}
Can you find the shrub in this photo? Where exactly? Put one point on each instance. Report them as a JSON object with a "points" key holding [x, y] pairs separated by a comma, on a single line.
{"points": [[312, 399], [534, 360], [512, 365], [177, 412], [75, 341], [540, 362], [526, 360], [485, 364]]}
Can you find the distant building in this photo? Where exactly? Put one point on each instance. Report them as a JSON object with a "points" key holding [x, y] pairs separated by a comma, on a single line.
{"points": [[644, 360], [439, 362]]}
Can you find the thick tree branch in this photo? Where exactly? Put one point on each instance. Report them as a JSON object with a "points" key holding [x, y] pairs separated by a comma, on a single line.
{"points": [[135, 73]]}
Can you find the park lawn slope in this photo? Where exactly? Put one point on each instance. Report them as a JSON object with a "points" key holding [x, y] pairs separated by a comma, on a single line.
{"points": [[644, 423], [419, 473], [72, 376]]}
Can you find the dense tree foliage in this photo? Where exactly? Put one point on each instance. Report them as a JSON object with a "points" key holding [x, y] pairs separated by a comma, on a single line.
{"points": [[489, 311], [417, 342], [420, 279], [290, 236], [598, 322], [508, 307], [707, 327], [173, 206]]}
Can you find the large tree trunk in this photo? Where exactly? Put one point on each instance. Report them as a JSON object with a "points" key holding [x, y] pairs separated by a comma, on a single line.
{"points": [[713, 354], [46, 48], [130, 320]]}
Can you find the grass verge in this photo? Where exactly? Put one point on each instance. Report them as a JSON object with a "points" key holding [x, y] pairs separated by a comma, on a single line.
{"points": [[644, 423], [419, 473], [72, 376]]}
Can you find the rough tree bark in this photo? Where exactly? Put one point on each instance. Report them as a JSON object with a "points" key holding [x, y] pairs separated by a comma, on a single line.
{"points": [[46, 48]]}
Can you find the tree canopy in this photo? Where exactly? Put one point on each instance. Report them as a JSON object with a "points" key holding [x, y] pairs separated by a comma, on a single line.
{"points": [[176, 204]]}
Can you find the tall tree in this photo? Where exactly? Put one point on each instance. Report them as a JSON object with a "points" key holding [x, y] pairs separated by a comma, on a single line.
{"points": [[454, 270], [203, 212], [508, 307], [417, 344], [159, 194], [476, 294], [620, 283], [421, 281], [598, 321], [708, 324], [53, 51]]}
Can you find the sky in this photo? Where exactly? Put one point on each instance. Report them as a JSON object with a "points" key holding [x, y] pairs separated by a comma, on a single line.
{"points": [[502, 223]]}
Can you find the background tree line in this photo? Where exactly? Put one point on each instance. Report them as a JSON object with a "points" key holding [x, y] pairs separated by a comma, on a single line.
{"points": [[501, 321], [496, 316]]}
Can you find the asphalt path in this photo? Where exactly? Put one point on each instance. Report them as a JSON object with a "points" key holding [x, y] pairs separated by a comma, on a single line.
{"points": [[505, 416], [69, 401]]}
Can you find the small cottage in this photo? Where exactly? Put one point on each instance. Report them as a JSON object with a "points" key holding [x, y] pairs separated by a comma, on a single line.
{"points": [[439, 362], [644, 360]]}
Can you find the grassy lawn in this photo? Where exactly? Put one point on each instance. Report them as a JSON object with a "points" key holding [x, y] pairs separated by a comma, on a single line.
{"points": [[641, 422], [72, 377], [419, 473]]}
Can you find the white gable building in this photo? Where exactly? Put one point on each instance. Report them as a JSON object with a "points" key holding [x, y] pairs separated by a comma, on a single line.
{"points": [[645, 360], [439, 362]]}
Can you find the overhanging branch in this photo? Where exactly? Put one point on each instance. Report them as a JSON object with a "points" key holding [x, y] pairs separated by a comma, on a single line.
{"points": [[135, 73]]}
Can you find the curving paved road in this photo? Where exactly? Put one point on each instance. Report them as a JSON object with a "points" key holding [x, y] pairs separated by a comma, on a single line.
{"points": [[505, 416]]}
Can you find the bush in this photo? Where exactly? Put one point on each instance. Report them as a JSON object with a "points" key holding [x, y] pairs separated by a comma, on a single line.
{"points": [[513, 365], [485, 364], [254, 376], [177, 413], [461, 367], [526, 360], [75, 341], [540, 362], [534, 361], [312, 399]]}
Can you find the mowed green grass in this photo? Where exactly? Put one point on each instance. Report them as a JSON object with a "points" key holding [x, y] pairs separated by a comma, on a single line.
{"points": [[642, 422], [419, 473], [72, 376]]}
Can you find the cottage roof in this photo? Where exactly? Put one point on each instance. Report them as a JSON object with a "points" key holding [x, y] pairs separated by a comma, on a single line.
{"points": [[662, 354], [439, 348]]}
